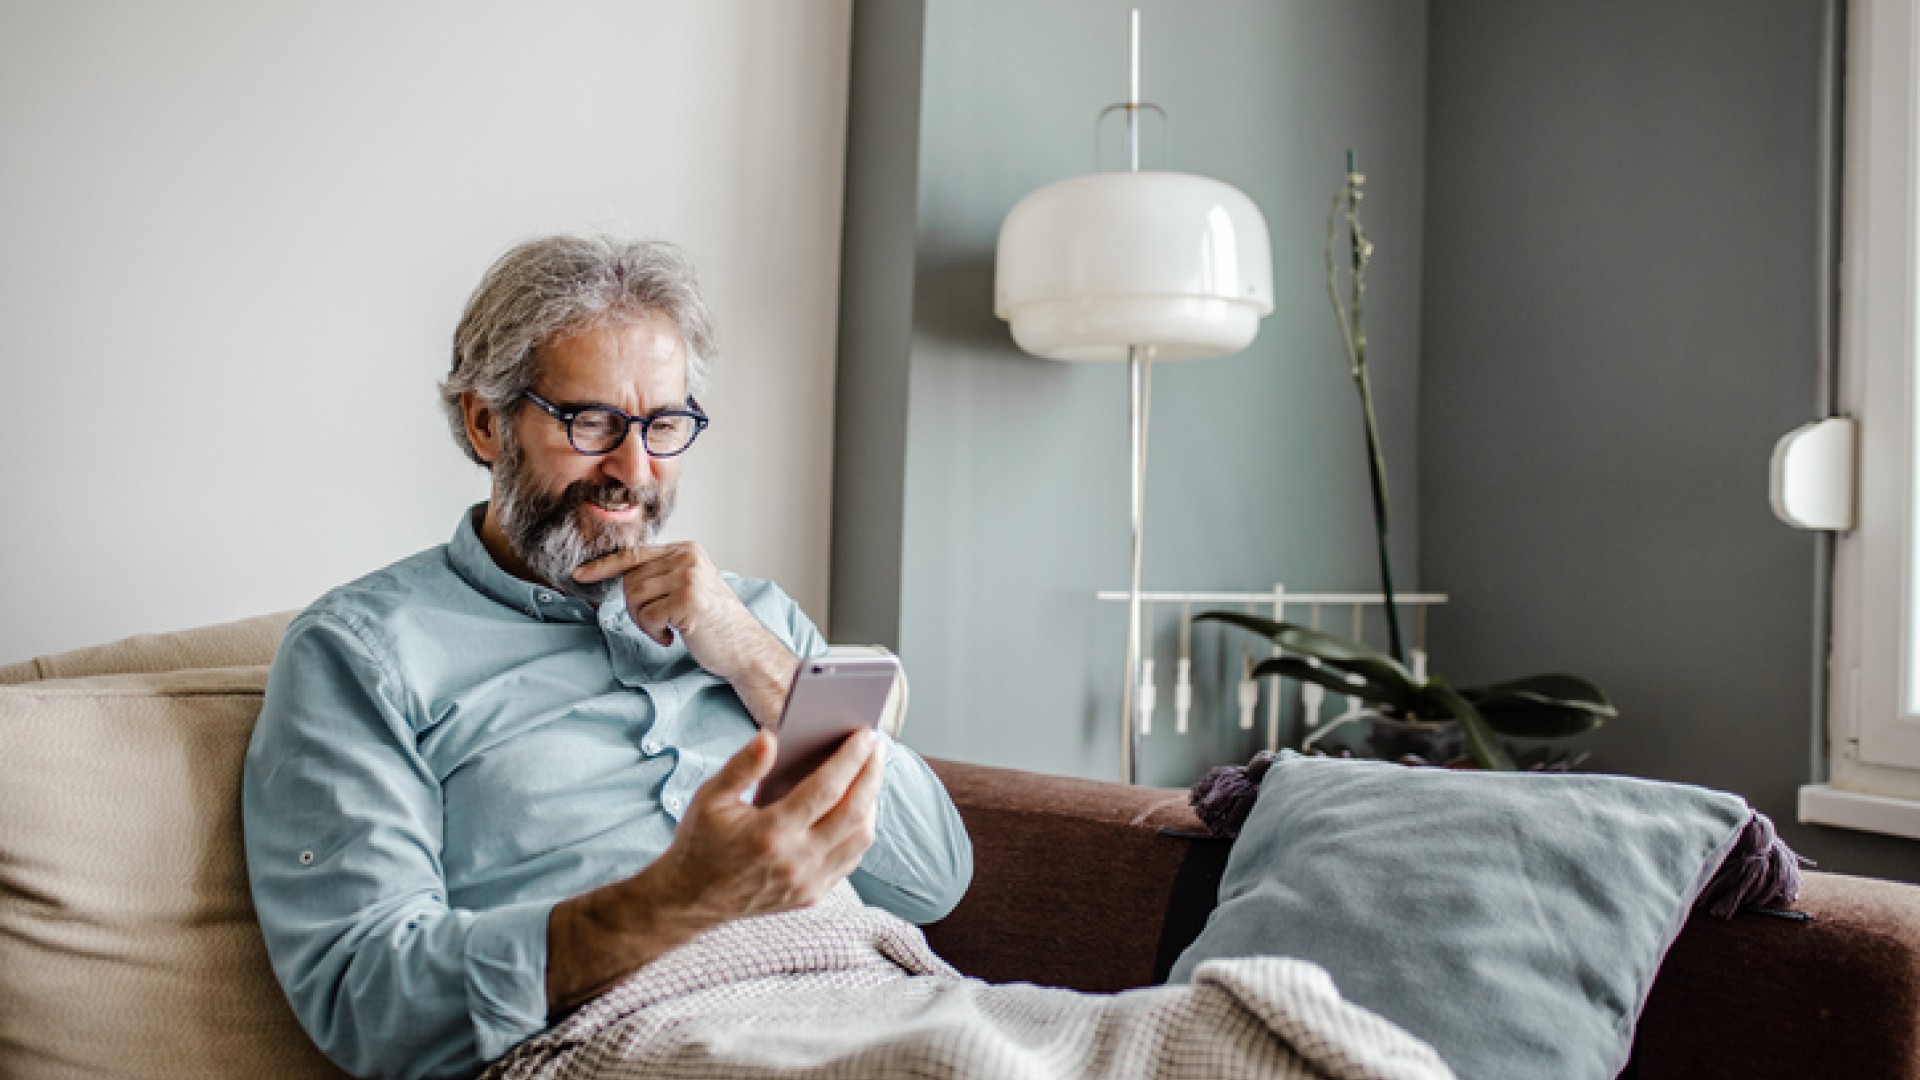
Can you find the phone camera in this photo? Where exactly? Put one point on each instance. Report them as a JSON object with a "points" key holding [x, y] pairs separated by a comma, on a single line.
{"points": [[817, 669]]}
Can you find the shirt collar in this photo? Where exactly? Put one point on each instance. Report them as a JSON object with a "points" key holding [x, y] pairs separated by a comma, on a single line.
{"points": [[474, 563]]}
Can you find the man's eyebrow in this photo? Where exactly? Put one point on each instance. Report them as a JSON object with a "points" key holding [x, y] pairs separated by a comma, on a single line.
{"points": [[572, 405]]}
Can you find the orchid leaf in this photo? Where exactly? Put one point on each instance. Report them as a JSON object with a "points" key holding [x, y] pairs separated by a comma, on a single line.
{"points": [[1340, 682], [1533, 720], [1561, 691], [1374, 666], [1542, 706], [1482, 742]]}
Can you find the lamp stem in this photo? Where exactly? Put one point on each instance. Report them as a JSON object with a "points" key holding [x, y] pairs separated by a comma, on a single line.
{"points": [[1133, 95], [1138, 373]]}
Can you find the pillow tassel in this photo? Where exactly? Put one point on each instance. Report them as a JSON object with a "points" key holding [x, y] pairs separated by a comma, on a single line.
{"points": [[1224, 797], [1760, 872]]}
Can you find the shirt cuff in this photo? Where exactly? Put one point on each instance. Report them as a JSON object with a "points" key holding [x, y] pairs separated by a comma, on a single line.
{"points": [[506, 966]]}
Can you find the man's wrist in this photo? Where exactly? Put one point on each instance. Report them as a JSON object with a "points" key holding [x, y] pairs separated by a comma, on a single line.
{"points": [[600, 937], [763, 686]]}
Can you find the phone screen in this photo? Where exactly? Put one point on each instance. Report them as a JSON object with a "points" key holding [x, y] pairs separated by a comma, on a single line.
{"points": [[831, 698]]}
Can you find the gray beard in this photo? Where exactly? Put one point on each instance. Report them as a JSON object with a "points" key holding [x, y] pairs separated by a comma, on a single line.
{"points": [[545, 531]]}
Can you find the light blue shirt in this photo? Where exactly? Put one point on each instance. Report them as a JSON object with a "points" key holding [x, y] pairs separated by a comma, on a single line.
{"points": [[446, 751]]}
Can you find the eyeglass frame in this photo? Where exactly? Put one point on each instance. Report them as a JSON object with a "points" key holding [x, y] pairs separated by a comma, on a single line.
{"points": [[566, 418]]}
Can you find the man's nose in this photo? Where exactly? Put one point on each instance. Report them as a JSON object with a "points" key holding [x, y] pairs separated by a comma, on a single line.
{"points": [[629, 462]]}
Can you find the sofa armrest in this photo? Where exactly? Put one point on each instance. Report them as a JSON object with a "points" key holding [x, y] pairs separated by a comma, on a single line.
{"points": [[1071, 877], [1759, 997]]}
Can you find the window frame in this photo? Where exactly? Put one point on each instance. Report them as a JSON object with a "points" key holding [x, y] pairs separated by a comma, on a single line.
{"points": [[1873, 737]]}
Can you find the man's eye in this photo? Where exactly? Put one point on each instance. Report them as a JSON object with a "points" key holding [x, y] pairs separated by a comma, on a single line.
{"points": [[593, 425]]}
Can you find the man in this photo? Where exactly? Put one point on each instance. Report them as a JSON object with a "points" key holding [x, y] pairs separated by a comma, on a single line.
{"points": [[496, 778]]}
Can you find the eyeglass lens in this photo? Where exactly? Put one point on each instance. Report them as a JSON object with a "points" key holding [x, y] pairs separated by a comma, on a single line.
{"points": [[596, 431]]}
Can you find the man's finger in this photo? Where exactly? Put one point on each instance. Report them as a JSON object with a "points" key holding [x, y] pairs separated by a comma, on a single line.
{"points": [[666, 566], [858, 802], [657, 622], [744, 769], [817, 795], [611, 566], [844, 858]]}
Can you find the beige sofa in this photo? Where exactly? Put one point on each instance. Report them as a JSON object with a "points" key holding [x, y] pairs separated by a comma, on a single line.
{"points": [[128, 946]]}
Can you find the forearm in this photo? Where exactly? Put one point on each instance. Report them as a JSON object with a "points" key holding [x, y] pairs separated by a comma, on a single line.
{"points": [[600, 937]]}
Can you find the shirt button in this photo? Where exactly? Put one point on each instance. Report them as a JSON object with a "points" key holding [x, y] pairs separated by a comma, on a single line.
{"points": [[673, 803], [650, 746]]}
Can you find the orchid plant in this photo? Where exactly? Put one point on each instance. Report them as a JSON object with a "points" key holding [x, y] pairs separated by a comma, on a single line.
{"points": [[1534, 707]]}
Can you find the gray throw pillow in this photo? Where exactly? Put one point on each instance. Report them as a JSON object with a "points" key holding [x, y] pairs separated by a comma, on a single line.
{"points": [[1515, 921]]}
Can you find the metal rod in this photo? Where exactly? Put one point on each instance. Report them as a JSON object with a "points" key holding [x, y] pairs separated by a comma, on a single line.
{"points": [[1273, 699], [1136, 446], [1266, 597], [1133, 95]]}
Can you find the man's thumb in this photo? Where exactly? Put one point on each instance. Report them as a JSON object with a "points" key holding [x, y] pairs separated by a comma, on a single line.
{"points": [[746, 767]]}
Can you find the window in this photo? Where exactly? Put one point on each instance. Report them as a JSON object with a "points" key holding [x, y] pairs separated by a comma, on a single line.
{"points": [[1873, 724]]}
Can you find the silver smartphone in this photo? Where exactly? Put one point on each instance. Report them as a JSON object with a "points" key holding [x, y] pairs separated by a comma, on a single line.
{"points": [[832, 697]]}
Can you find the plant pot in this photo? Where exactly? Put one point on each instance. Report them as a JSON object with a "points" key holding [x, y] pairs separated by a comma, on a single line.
{"points": [[1367, 733], [1434, 742]]}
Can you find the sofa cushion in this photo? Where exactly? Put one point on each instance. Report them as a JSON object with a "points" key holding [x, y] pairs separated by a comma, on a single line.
{"points": [[128, 945], [233, 644]]}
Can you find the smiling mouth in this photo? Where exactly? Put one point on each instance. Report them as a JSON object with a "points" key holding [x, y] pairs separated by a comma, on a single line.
{"points": [[611, 509]]}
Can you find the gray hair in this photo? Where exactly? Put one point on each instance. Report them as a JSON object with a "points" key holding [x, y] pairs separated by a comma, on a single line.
{"points": [[546, 289]]}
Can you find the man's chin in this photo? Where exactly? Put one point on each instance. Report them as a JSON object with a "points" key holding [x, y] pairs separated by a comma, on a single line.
{"points": [[599, 538], [604, 537]]}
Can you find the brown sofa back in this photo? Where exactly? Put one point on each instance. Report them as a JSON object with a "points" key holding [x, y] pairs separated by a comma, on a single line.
{"points": [[1072, 878]]}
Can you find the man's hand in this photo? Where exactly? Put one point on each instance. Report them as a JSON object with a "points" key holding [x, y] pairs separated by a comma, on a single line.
{"points": [[675, 588], [728, 860]]}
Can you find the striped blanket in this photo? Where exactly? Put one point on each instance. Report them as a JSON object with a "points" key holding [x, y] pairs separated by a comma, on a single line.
{"points": [[843, 990]]}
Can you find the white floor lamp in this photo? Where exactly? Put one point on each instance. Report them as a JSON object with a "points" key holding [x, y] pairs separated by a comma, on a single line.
{"points": [[1140, 266]]}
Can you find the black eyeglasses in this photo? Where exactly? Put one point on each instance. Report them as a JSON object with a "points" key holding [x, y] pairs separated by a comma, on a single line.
{"points": [[600, 429]]}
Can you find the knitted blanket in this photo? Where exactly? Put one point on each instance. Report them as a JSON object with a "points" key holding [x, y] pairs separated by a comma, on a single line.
{"points": [[843, 990]]}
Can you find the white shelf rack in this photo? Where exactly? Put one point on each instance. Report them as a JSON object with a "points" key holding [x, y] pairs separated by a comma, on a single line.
{"points": [[1274, 602]]}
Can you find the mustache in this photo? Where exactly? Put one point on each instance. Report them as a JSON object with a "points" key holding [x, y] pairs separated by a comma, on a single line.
{"points": [[609, 494]]}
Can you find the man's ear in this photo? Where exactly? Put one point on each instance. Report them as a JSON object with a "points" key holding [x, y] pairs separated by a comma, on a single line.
{"points": [[483, 426]]}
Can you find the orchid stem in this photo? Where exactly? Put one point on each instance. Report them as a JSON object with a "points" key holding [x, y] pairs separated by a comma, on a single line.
{"points": [[1353, 335]]}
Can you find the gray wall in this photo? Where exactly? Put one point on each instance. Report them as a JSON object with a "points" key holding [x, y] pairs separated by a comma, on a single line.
{"points": [[1013, 510], [1622, 213]]}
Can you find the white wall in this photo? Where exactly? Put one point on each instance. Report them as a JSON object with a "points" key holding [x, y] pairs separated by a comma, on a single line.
{"points": [[241, 233]]}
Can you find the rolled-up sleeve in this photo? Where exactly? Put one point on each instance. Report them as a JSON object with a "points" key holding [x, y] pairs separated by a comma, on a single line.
{"points": [[343, 835], [921, 860]]}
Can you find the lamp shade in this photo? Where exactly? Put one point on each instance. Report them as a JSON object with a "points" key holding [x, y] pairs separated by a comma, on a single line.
{"points": [[1089, 266]]}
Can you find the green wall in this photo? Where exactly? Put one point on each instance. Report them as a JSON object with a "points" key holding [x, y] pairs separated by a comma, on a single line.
{"points": [[1012, 510]]}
